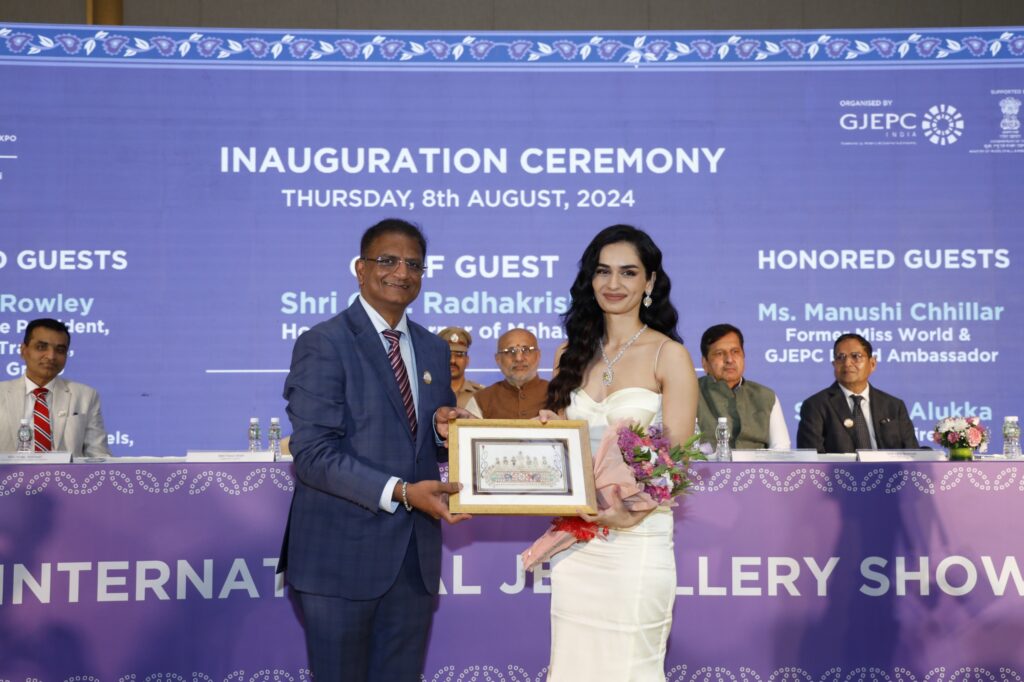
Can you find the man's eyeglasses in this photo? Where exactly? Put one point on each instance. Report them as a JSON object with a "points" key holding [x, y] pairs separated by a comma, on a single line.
{"points": [[855, 358], [512, 351], [391, 262], [459, 353]]}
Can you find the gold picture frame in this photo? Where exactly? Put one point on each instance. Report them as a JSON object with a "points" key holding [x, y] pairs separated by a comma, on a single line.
{"points": [[521, 467]]}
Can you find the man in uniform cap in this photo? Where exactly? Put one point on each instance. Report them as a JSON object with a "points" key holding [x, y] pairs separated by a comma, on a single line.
{"points": [[459, 342]]}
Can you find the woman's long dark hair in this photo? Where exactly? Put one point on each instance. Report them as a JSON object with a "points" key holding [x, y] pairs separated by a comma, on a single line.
{"points": [[584, 321]]}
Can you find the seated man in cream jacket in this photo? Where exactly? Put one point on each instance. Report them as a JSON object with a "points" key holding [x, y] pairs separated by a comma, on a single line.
{"points": [[64, 415]]}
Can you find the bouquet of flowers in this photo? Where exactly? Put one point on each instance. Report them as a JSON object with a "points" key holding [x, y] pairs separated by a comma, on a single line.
{"points": [[656, 472], [961, 432], [658, 466]]}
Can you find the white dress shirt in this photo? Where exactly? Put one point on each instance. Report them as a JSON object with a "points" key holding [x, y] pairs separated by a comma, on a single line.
{"points": [[778, 433]]}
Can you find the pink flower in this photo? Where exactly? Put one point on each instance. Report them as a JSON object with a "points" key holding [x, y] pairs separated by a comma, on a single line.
{"points": [[974, 437], [953, 437]]}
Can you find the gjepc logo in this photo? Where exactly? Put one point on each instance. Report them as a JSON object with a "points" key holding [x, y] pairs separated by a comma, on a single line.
{"points": [[942, 124]]}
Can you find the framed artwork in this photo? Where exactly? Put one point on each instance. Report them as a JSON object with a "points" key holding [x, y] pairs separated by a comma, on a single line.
{"points": [[520, 466]]}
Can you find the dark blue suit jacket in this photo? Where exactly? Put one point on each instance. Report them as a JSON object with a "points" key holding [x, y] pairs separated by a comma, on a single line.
{"points": [[350, 434], [823, 417]]}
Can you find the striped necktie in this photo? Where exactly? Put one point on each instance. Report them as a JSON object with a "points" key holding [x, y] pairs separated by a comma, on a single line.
{"points": [[41, 422], [861, 435], [401, 376]]}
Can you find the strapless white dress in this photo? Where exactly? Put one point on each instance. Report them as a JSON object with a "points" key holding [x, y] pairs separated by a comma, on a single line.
{"points": [[611, 600]]}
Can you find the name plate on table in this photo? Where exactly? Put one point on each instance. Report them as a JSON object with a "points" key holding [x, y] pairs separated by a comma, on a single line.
{"points": [[35, 458], [789, 456], [901, 456], [229, 456]]}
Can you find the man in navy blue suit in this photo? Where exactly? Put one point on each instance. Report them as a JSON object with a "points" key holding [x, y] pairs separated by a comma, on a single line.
{"points": [[363, 544], [829, 419]]}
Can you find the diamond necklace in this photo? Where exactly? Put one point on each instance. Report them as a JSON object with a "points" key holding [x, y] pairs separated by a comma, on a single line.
{"points": [[609, 376]]}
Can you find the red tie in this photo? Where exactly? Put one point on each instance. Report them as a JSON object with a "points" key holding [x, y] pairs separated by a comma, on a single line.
{"points": [[41, 422], [401, 376]]}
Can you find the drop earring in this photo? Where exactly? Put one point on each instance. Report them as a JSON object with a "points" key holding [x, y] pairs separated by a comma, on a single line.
{"points": [[648, 300]]}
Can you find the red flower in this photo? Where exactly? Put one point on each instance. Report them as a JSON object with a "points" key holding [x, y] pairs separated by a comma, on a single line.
{"points": [[583, 531]]}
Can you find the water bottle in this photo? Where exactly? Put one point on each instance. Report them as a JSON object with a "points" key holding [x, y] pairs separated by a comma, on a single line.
{"points": [[274, 437], [696, 432], [255, 442], [723, 453], [1011, 438], [25, 436]]}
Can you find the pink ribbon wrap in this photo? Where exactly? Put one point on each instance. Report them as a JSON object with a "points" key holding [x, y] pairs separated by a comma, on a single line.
{"points": [[610, 471]]}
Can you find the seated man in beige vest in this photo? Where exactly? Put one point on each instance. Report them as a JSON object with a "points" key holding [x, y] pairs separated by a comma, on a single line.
{"points": [[459, 342], [521, 394], [754, 412]]}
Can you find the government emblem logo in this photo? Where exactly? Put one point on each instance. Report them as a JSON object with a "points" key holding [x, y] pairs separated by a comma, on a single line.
{"points": [[1010, 107]]}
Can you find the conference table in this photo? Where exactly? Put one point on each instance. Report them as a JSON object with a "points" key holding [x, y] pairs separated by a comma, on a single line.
{"points": [[165, 570]]}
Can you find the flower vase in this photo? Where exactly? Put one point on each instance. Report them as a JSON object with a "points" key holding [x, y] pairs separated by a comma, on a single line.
{"points": [[961, 454]]}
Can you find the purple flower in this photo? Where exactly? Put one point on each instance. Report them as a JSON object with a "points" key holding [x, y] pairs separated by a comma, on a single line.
{"points": [[794, 48], [628, 440], [566, 48], [114, 44], [518, 48], [656, 48], [927, 47], [976, 46], [300, 48], [607, 49], [349, 48], [71, 44], [1016, 45], [164, 45], [257, 47], [836, 48], [390, 49], [745, 49], [480, 48], [207, 47], [16, 42], [439, 48], [705, 48], [885, 47]]}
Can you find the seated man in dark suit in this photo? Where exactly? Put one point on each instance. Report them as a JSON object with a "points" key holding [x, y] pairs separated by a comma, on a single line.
{"points": [[850, 414]]}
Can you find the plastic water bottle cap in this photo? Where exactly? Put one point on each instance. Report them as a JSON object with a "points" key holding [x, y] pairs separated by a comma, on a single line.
{"points": [[24, 422], [275, 420], [1011, 419], [254, 420], [723, 420]]}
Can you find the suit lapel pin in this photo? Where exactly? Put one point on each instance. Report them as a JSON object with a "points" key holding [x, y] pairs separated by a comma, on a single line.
{"points": [[427, 378], [848, 423]]}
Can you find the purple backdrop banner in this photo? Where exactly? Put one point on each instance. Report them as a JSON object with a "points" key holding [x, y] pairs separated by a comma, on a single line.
{"points": [[190, 200], [797, 572]]}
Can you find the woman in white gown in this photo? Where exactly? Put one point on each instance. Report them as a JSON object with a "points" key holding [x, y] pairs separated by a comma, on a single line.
{"points": [[612, 598]]}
